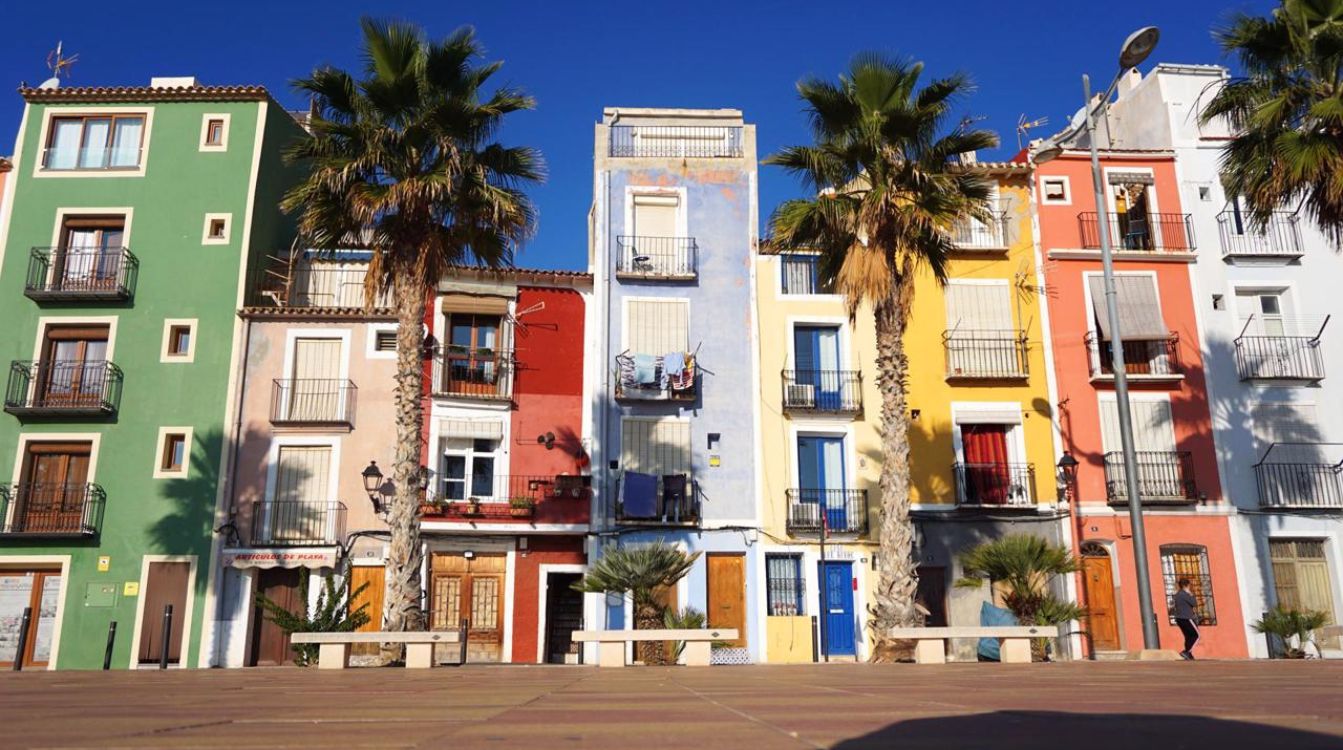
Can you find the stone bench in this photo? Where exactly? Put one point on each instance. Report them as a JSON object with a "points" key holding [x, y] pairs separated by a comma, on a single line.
{"points": [[1016, 640], [334, 648], [611, 643]]}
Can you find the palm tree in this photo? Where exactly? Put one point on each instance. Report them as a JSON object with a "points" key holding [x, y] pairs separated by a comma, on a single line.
{"points": [[403, 161], [1286, 111], [641, 571], [1289, 624], [1022, 566], [888, 189]]}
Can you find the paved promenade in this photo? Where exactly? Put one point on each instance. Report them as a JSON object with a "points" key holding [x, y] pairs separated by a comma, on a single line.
{"points": [[1149, 706]]}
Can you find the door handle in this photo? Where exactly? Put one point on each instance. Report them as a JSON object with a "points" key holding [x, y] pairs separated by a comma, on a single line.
{"points": [[836, 611]]}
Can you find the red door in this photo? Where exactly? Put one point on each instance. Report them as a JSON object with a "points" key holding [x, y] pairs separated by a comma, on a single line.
{"points": [[987, 480]]}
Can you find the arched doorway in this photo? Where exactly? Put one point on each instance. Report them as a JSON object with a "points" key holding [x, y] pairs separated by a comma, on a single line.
{"points": [[1098, 580]]}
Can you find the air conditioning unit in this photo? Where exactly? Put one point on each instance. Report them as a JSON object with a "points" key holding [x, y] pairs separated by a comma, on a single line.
{"points": [[801, 394]]}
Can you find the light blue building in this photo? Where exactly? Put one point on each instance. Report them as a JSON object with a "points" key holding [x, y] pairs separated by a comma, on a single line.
{"points": [[671, 235]]}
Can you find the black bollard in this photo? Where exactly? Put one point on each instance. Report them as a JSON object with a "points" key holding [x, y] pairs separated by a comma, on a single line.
{"points": [[111, 640], [815, 640], [23, 638], [167, 635], [462, 635]]}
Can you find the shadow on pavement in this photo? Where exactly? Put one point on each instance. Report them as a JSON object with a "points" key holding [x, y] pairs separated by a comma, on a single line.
{"points": [[1004, 730]]}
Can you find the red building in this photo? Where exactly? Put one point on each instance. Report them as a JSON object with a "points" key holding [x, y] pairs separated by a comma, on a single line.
{"points": [[507, 509], [1187, 517]]}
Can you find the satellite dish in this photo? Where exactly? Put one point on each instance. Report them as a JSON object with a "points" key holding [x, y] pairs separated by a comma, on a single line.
{"points": [[51, 83], [1078, 117]]}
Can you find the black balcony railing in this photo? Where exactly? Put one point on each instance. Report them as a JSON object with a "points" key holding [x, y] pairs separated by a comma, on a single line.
{"points": [[1164, 477], [61, 273], [63, 388], [500, 488], [842, 511], [1280, 238], [973, 234], [995, 484], [1301, 476], [823, 390], [657, 257], [1143, 358], [676, 141], [297, 523], [1279, 358], [986, 355], [460, 372], [674, 501], [801, 274], [312, 401], [51, 509], [1140, 232]]}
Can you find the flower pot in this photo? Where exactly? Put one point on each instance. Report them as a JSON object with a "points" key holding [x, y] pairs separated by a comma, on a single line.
{"points": [[520, 512]]}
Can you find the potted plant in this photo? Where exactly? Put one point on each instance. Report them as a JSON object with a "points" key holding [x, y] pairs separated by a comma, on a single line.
{"points": [[521, 507], [1293, 629], [472, 506]]}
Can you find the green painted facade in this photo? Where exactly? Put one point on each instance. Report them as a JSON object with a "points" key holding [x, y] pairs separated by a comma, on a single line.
{"points": [[179, 276]]}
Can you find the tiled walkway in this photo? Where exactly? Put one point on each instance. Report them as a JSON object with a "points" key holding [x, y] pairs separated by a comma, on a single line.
{"points": [[1149, 706]]}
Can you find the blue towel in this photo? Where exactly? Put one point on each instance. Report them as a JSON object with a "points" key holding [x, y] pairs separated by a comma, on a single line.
{"points": [[991, 616], [645, 369], [673, 364], [639, 495]]}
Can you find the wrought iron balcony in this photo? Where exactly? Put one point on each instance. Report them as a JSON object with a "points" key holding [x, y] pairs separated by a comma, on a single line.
{"points": [[676, 141], [51, 509], [1144, 359], [834, 391], [841, 511], [1140, 233], [1164, 478], [972, 234], [986, 355], [1280, 349], [487, 497], [1301, 476], [675, 502], [800, 273], [312, 402], [69, 388], [81, 274], [297, 523], [1280, 238], [672, 258], [1004, 485], [462, 372]]}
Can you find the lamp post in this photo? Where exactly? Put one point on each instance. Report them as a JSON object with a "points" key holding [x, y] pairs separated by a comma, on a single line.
{"points": [[1137, 48], [1067, 467], [373, 486]]}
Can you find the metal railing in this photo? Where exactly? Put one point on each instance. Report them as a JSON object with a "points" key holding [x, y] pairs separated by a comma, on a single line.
{"points": [[312, 401], [1302, 476], [672, 505], [1144, 232], [973, 234], [72, 387], [1279, 357], [676, 141], [845, 511], [657, 257], [330, 285], [1164, 477], [51, 509], [823, 390], [297, 523], [1281, 237], [496, 496], [474, 373], [103, 159], [1155, 358], [986, 354], [801, 274], [995, 484], [59, 273]]}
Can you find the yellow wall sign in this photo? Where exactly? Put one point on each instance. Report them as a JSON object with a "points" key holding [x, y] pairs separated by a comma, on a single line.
{"points": [[132, 588], [104, 562]]}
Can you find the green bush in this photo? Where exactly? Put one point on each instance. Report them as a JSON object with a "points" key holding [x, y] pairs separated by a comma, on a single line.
{"points": [[330, 615]]}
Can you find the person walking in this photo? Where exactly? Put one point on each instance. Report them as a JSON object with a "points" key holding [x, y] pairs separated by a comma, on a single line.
{"points": [[1186, 616]]}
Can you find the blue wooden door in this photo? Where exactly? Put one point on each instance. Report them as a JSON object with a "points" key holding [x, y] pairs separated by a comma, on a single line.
{"points": [[820, 472], [837, 608], [816, 349]]}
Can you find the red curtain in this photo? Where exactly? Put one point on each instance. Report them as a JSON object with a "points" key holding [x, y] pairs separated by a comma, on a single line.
{"points": [[987, 478]]}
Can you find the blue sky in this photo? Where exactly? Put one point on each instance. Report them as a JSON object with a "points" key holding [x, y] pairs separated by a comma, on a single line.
{"points": [[576, 57]]}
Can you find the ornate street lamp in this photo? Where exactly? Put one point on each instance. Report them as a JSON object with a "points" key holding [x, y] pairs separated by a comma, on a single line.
{"points": [[1067, 467], [373, 486]]}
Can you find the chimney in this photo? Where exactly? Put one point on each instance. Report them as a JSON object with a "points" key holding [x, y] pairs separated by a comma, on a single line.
{"points": [[172, 82], [969, 157], [1130, 81]]}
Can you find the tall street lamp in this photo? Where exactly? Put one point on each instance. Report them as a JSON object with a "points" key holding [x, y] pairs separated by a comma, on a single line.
{"points": [[1137, 48]]}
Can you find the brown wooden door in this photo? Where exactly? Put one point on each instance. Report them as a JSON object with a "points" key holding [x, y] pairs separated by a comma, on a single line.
{"points": [[52, 495], [1100, 593], [932, 594], [373, 596], [727, 594], [270, 644], [471, 589], [166, 585], [74, 366], [39, 590]]}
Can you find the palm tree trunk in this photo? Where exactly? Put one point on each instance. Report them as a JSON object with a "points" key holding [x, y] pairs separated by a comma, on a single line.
{"points": [[897, 578], [402, 610], [649, 617]]}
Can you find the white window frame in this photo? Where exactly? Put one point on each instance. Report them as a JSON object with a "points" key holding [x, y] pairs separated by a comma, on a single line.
{"points": [[779, 293], [301, 441], [655, 191], [820, 321], [824, 429], [1066, 200], [371, 341], [165, 355], [210, 218], [205, 131], [1103, 397], [625, 303], [53, 112], [182, 473], [499, 454], [1016, 436]]}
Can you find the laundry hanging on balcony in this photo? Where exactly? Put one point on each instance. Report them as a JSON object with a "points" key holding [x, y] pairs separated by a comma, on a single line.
{"points": [[649, 374]]}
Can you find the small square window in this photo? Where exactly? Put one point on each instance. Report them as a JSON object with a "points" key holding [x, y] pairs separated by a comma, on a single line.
{"points": [[1218, 302], [216, 229], [174, 453], [179, 340], [1055, 190], [1204, 193], [385, 341], [214, 133]]}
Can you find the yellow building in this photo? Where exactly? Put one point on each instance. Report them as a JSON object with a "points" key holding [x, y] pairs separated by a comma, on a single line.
{"points": [[982, 436]]}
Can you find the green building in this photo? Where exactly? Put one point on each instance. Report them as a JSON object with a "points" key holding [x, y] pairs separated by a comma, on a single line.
{"points": [[131, 219]]}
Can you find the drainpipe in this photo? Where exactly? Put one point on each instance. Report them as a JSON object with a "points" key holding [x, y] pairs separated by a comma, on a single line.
{"points": [[230, 490]]}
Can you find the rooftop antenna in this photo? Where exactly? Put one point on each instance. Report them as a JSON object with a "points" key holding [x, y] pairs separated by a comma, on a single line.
{"points": [[59, 65], [1024, 127]]}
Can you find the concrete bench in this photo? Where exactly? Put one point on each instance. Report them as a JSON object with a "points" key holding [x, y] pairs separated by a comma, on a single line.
{"points": [[611, 643], [1016, 640], [334, 648]]}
